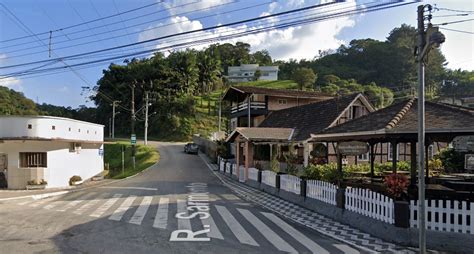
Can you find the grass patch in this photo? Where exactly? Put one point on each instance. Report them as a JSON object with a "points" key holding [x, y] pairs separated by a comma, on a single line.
{"points": [[146, 156]]}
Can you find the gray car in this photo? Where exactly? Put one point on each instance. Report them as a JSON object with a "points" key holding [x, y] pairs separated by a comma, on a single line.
{"points": [[191, 148]]}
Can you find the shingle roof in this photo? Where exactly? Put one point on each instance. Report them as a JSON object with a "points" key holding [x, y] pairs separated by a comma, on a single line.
{"points": [[276, 134], [402, 117], [309, 118], [276, 92]]}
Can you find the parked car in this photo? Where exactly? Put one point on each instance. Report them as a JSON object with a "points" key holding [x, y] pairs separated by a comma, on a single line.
{"points": [[191, 148]]}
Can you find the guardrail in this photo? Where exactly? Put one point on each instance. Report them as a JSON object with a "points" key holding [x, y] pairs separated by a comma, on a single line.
{"points": [[445, 215], [322, 191], [371, 204], [290, 183]]}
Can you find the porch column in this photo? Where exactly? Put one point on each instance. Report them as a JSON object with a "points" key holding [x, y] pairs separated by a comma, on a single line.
{"points": [[371, 159], [237, 157], [394, 157], [248, 158], [248, 111], [413, 163], [306, 154]]}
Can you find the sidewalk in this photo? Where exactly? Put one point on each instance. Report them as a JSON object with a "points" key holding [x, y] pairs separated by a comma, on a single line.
{"points": [[309, 218], [6, 195]]}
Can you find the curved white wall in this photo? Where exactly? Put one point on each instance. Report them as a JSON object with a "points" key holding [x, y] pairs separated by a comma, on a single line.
{"points": [[42, 127]]}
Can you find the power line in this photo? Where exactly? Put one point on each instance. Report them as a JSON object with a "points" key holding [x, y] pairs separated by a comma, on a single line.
{"points": [[180, 34], [301, 22], [453, 22], [455, 30], [87, 22], [136, 32], [453, 10]]}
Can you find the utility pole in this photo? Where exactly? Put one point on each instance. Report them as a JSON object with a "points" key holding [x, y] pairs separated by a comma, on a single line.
{"points": [[114, 103], [421, 130], [146, 118], [110, 127], [133, 136]]}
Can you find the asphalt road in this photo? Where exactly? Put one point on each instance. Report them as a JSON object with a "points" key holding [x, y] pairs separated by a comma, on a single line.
{"points": [[138, 215]]}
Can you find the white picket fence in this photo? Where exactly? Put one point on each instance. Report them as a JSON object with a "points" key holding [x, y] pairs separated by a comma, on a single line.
{"points": [[222, 165], [445, 215], [234, 169], [290, 183], [322, 191], [371, 204], [268, 178], [253, 174], [228, 166]]}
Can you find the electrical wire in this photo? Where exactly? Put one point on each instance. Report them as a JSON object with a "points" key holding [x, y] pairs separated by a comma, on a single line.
{"points": [[455, 30], [453, 22]]}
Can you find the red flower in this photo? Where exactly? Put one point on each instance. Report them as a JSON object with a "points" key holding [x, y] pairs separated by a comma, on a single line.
{"points": [[396, 184]]}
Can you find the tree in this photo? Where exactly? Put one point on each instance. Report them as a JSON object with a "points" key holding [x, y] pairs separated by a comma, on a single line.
{"points": [[305, 78], [257, 74]]}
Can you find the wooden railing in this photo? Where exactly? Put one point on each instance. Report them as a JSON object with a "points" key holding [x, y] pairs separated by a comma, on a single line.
{"points": [[244, 106]]}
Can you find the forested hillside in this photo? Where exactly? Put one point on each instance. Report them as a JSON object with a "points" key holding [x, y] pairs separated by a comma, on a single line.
{"points": [[184, 86]]}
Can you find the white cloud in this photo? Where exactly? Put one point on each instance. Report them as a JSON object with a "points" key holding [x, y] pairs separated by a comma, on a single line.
{"points": [[182, 6], [11, 82], [293, 42]]}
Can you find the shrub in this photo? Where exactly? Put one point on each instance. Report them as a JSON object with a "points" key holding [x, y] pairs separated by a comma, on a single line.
{"points": [[325, 172], [452, 160], [36, 182], [396, 184], [74, 179]]}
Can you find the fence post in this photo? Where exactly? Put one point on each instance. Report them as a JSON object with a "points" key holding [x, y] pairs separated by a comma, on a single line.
{"points": [[402, 214], [303, 188], [259, 176], [277, 181], [231, 169], [341, 197]]}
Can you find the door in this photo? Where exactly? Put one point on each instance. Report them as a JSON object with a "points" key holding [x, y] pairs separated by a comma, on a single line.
{"points": [[3, 170]]}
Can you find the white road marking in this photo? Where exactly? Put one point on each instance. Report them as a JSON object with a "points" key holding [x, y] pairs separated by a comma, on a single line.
{"points": [[230, 197], [346, 249], [76, 202], [129, 188], [55, 203], [161, 218], [101, 210], [140, 213], [119, 212], [183, 223], [235, 227], [214, 230], [304, 240], [271, 236], [41, 201], [90, 204]]}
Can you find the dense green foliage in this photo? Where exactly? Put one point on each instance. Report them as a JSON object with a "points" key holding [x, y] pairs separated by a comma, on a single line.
{"points": [[452, 160], [146, 156], [15, 103], [305, 78]]}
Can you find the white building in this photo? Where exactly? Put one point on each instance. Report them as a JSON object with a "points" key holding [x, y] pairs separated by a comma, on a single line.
{"points": [[53, 149], [246, 72]]}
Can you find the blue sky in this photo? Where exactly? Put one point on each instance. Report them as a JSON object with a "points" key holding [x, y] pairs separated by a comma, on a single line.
{"points": [[182, 15]]}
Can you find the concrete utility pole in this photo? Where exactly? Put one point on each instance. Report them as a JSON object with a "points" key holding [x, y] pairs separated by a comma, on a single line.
{"points": [[435, 38], [114, 103], [133, 124], [146, 118]]}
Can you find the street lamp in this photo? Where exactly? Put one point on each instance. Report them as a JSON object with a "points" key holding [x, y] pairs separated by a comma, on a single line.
{"points": [[427, 40]]}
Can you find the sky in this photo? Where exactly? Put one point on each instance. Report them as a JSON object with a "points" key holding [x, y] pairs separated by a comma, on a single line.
{"points": [[152, 18]]}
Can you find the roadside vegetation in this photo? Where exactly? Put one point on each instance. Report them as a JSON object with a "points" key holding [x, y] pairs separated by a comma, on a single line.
{"points": [[146, 156]]}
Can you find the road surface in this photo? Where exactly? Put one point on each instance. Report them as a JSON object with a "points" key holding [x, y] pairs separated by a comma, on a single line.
{"points": [[139, 215]]}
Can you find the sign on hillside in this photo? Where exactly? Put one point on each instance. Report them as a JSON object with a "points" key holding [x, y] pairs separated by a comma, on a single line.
{"points": [[133, 139], [352, 148]]}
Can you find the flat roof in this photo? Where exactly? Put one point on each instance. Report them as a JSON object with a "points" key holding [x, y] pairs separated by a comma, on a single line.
{"points": [[49, 117]]}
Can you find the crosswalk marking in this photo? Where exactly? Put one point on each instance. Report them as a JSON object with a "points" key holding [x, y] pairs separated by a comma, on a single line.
{"points": [[346, 249], [55, 203], [76, 202], [41, 201], [161, 218], [140, 213], [90, 204], [214, 230], [304, 240], [235, 226], [183, 223], [230, 197], [101, 210], [119, 212], [271, 236]]}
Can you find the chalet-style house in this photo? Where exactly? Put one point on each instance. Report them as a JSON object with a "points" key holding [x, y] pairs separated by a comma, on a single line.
{"points": [[246, 72], [250, 105], [294, 126]]}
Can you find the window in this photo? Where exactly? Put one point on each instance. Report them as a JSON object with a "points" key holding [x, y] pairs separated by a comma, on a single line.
{"points": [[390, 154], [69, 128], [53, 127], [282, 101], [33, 160], [75, 147], [30, 126], [87, 131], [79, 130], [363, 157]]}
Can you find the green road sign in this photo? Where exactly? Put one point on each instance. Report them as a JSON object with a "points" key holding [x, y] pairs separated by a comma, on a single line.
{"points": [[133, 139]]}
